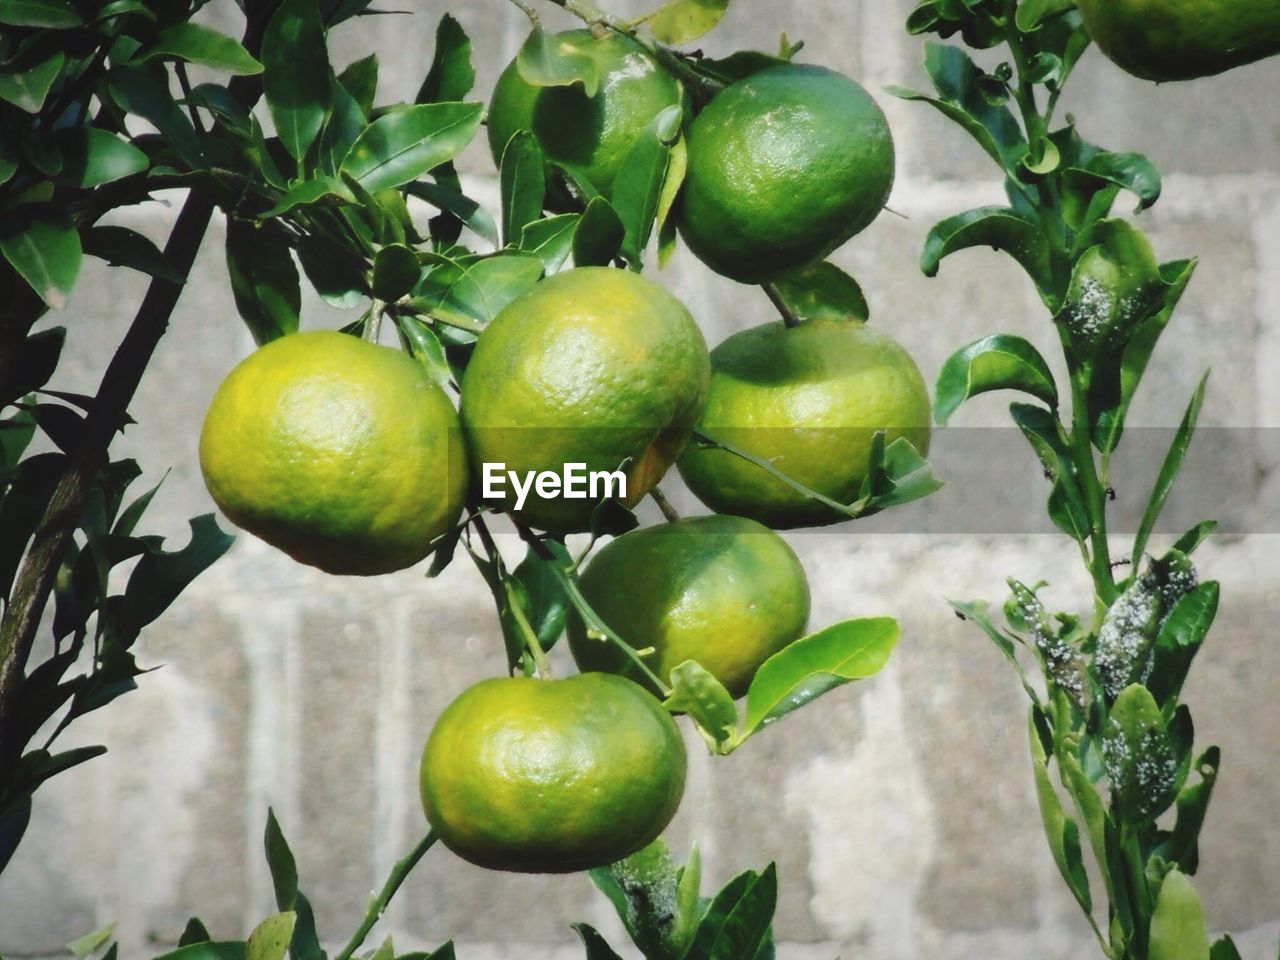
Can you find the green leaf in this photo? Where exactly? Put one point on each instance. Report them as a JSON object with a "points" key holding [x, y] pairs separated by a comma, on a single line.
{"points": [[1060, 830], [1044, 433], [1032, 13], [91, 943], [1182, 844], [405, 143], [1130, 171], [747, 925], [46, 253], [284, 870], [677, 167], [159, 576], [545, 60], [144, 90], [92, 157], [1114, 286], [27, 89], [424, 346], [14, 820], [1195, 536], [203, 45], [597, 947], [1138, 755], [998, 362], [264, 279], [36, 361], [194, 932], [451, 76], [637, 189], [270, 939], [480, 289], [523, 184], [1183, 631], [335, 272], [360, 79], [346, 121], [679, 21], [296, 76], [599, 235], [699, 694], [845, 651], [462, 207], [395, 272], [1224, 949], [1000, 228], [1116, 377], [643, 889], [551, 239], [545, 596], [1177, 926], [822, 291], [322, 190], [1169, 469], [39, 13], [220, 950]]}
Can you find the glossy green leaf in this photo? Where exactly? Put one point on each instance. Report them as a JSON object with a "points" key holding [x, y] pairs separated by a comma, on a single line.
{"points": [[997, 227], [27, 89], [213, 950], [523, 184], [1117, 376], [335, 272], [699, 694], [1182, 632], [599, 235], [1044, 433], [468, 211], [637, 189], [1177, 927], [1060, 830], [194, 932], [264, 279], [1181, 845], [203, 45], [395, 272], [46, 253], [747, 925], [1138, 755], [480, 289], [144, 90], [1195, 536], [451, 75], [845, 651], [1224, 949], [677, 167], [122, 247], [92, 157], [998, 362], [35, 363], [1130, 171], [424, 346], [322, 190], [679, 21], [296, 77], [1032, 13], [551, 239], [160, 577], [1116, 284], [91, 943], [545, 60], [360, 79], [345, 122], [822, 291], [1170, 468], [404, 144], [597, 947], [56, 14]]}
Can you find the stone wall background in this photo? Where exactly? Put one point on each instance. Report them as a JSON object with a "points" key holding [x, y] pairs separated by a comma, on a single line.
{"points": [[901, 812]]}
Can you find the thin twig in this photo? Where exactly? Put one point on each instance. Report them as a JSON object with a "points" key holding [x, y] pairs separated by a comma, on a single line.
{"points": [[378, 905], [664, 505]]}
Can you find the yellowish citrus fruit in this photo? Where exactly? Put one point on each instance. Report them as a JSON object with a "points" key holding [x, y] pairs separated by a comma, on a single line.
{"points": [[552, 776], [808, 399], [785, 165], [724, 591], [590, 134], [341, 453], [1182, 39], [593, 366]]}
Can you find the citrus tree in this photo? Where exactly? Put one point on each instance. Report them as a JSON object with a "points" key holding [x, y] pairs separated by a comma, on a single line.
{"points": [[539, 381], [1107, 719]]}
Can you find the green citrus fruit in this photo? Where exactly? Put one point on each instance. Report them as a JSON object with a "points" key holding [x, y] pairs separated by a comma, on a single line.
{"points": [[1182, 39], [784, 166], [590, 134], [341, 453], [808, 399], [551, 776], [593, 366], [724, 591]]}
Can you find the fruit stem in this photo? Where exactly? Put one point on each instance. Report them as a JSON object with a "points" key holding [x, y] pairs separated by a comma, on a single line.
{"points": [[789, 316], [529, 12], [529, 635], [378, 905], [592, 618], [373, 327], [664, 505]]}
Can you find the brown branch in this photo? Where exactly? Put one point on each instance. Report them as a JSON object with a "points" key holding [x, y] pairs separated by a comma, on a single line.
{"points": [[107, 415]]}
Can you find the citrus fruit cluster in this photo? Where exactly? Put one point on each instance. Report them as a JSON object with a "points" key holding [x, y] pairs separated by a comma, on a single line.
{"points": [[349, 457]]}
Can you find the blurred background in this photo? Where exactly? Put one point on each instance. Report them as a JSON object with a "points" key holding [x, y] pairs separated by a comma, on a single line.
{"points": [[901, 811]]}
